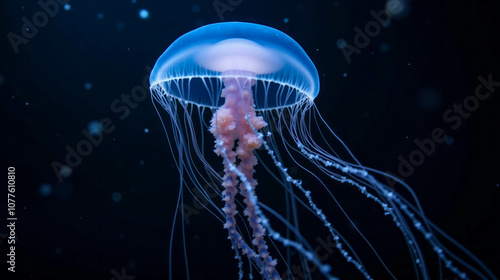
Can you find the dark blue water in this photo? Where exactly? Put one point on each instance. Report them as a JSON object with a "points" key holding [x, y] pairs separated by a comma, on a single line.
{"points": [[109, 216]]}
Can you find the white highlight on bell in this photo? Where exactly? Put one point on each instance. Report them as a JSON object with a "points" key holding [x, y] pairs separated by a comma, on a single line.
{"points": [[239, 54]]}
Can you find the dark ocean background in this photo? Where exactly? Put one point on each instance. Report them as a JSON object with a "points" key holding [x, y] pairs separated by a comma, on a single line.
{"points": [[112, 215]]}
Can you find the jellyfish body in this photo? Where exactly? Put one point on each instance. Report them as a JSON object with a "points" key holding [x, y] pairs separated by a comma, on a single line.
{"points": [[253, 81], [190, 68]]}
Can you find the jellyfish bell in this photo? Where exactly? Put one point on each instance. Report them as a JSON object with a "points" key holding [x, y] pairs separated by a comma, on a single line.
{"points": [[244, 77], [210, 52]]}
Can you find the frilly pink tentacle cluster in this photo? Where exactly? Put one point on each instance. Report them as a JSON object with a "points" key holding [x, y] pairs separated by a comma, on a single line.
{"points": [[237, 140]]}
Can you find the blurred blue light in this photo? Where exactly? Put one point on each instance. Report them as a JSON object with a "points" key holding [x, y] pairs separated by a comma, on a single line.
{"points": [[87, 85], [116, 197], [94, 128], [144, 13], [341, 43], [384, 47], [45, 189]]}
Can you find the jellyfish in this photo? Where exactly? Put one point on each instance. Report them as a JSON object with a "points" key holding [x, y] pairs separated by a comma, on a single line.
{"points": [[241, 94]]}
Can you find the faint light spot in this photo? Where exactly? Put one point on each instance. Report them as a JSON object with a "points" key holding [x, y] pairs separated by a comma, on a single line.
{"points": [[134, 1], [67, 7], [120, 25], [58, 250], [116, 197], [131, 264], [100, 15], [345, 75], [87, 85], [65, 171], [121, 235], [146, 130], [398, 8], [144, 13], [429, 99], [63, 190], [286, 20], [27, 103], [94, 127], [45, 189], [450, 140], [195, 8], [141, 162], [384, 47], [341, 43]]}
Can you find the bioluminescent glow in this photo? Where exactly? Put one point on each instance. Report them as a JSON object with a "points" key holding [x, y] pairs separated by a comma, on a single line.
{"points": [[94, 128], [248, 90], [143, 13], [87, 86]]}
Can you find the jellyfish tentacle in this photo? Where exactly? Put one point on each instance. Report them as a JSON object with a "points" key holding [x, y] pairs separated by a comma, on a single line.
{"points": [[392, 202], [248, 160], [324, 268], [229, 193], [229, 124], [248, 142]]}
